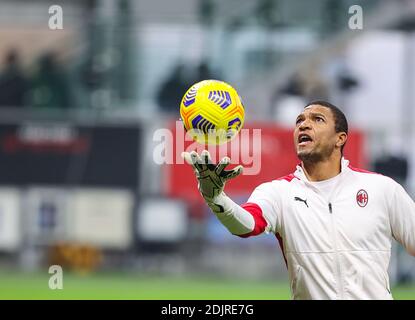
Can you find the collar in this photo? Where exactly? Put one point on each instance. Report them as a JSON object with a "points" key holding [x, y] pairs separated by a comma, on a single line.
{"points": [[299, 172]]}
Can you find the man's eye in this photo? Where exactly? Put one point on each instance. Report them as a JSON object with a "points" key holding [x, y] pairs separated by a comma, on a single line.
{"points": [[319, 119], [298, 121]]}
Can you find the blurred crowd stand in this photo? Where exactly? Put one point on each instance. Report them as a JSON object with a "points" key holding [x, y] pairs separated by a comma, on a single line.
{"points": [[14, 84], [176, 84], [46, 85], [49, 86]]}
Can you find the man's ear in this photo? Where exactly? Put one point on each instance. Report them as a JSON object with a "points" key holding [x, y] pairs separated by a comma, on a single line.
{"points": [[341, 139]]}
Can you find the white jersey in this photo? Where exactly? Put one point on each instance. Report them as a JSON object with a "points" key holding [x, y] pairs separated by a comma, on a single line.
{"points": [[337, 243]]}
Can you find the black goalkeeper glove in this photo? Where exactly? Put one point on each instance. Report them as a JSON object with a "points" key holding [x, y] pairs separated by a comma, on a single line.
{"points": [[211, 178]]}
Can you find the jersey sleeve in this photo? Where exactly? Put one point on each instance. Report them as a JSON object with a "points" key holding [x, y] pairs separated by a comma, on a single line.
{"points": [[402, 218], [265, 203]]}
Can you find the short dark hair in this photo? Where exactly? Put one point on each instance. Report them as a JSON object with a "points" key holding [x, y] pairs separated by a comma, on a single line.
{"points": [[340, 121]]}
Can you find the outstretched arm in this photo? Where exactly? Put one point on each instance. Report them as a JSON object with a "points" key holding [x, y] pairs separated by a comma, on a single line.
{"points": [[211, 182]]}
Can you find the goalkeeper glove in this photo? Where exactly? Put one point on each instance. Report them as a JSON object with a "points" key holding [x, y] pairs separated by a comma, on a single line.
{"points": [[211, 178]]}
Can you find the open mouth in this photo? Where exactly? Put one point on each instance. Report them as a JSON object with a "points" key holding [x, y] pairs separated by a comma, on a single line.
{"points": [[304, 139]]}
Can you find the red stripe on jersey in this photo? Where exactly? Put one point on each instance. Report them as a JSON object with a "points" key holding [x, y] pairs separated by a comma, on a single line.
{"points": [[281, 243], [260, 222], [288, 177], [361, 170]]}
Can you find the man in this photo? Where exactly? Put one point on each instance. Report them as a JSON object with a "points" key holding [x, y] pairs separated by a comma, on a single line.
{"points": [[335, 223], [13, 83]]}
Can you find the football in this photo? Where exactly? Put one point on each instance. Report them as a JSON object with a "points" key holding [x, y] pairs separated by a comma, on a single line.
{"points": [[212, 112]]}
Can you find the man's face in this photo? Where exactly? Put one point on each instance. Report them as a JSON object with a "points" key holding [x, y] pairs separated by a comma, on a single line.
{"points": [[315, 136]]}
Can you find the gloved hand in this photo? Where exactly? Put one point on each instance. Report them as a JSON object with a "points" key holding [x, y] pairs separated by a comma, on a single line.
{"points": [[211, 178]]}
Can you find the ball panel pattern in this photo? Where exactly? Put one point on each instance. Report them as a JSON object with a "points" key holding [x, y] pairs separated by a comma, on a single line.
{"points": [[202, 124], [221, 98], [190, 96], [212, 107]]}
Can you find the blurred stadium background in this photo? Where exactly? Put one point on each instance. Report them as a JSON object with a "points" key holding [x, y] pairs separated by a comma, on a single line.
{"points": [[80, 184]]}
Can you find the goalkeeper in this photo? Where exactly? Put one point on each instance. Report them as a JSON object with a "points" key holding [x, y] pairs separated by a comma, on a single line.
{"points": [[335, 223]]}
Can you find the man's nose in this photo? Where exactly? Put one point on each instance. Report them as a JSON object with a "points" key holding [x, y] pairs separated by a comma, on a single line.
{"points": [[305, 124]]}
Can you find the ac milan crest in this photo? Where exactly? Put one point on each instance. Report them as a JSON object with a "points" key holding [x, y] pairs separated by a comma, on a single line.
{"points": [[362, 198]]}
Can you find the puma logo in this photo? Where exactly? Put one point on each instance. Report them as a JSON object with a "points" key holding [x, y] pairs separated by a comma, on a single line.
{"points": [[302, 200]]}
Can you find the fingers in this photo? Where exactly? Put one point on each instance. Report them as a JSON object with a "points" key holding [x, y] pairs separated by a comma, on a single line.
{"points": [[222, 165], [206, 157], [197, 161], [201, 163], [193, 159], [187, 158], [204, 161], [207, 161], [226, 175]]}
